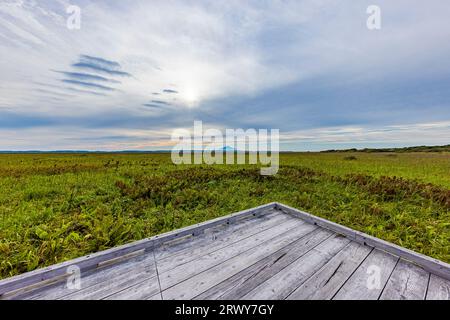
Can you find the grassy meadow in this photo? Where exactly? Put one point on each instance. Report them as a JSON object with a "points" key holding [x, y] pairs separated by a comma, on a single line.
{"points": [[55, 207]]}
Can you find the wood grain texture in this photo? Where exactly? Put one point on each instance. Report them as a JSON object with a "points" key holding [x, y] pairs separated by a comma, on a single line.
{"points": [[103, 289], [184, 271], [206, 245], [324, 284], [261, 253], [370, 278], [438, 288], [218, 233], [144, 290], [157, 296], [282, 284], [407, 282], [92, 261], [194, 286], [91, 278], [243, 282], [431, 265]]}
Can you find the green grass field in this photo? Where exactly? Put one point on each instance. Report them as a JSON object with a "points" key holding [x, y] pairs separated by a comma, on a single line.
{"points": [[55, 207]]}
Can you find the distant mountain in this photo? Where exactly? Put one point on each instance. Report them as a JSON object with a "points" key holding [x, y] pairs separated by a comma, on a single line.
{"points": [[227, 149]]}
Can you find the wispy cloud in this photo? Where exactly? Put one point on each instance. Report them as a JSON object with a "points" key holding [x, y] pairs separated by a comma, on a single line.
{"points": [[160, 102], [100, 65], [87, 76], [91, 80], [169, 91], [152, 105], [88, 84], [301, 66], [85, 92], [111, 65], [97, 68]]}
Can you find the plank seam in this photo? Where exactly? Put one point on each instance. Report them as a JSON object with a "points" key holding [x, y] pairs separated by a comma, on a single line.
{"points": [[66, 295], [331, 235], [346, 280], [229, 258], [124, 289], [289, 244], [267, 215], [389, 278], [157, 275], [267, 227], [317, 271], [428, 286], [432, 265], [229, 245], [102, 271], [91, 261], [121, 290]]}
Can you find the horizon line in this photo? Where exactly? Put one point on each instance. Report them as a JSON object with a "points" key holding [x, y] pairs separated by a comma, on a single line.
{"points": [[220, 150]]}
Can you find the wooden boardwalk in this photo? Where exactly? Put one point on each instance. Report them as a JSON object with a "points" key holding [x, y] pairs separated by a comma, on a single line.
{"points": [[270, 252]]}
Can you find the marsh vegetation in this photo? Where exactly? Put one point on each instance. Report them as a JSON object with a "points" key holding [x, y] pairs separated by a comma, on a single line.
{"points": [[55, 207]]}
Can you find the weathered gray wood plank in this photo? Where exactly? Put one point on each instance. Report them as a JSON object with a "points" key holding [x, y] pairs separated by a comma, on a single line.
{"points": [[184, 271], [157, 296], [438, 288], [208, 245], [144, 290], [370, 278], [201, 282], [243, 282], [108, 287], [187, 270], [407, 282], [90, 278], [217, 233], [93, 260], [290, 278], [324, 284], [262, 254], [431, 265], [99, 278]]}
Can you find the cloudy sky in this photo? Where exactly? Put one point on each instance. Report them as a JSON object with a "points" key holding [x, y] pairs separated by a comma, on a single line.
{"points": [[135, 71]]}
